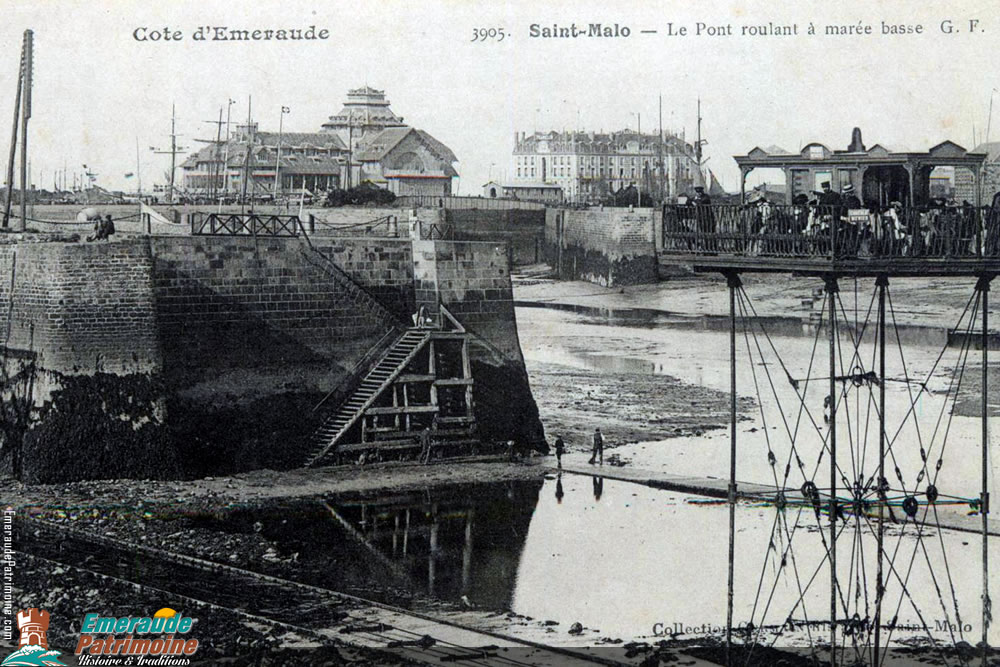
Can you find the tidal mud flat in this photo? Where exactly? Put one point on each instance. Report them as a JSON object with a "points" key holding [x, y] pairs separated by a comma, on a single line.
{"points": [[627, 406]]}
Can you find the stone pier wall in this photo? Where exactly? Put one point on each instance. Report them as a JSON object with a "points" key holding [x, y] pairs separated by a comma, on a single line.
{"points": [[178, 356], [610, 247]]}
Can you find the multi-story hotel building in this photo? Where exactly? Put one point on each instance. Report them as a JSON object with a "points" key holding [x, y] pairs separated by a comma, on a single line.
{"points": [[588, 166]]}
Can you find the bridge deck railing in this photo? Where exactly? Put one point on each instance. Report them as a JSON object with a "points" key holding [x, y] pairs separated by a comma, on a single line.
{"points": [[244, 224], [772, 230]]}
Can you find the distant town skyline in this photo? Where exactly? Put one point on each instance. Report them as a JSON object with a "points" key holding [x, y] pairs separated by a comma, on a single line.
{"points": [[98, 90]]}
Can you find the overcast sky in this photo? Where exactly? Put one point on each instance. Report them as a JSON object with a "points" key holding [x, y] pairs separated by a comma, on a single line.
{"points": [[97, 90]]}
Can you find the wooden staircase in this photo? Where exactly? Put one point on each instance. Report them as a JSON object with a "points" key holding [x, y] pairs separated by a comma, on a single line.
{"points": [[378, 378], [421, 381]]}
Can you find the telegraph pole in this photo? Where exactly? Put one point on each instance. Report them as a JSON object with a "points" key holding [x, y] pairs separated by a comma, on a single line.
{"points": [[25, 115], [13, 141]]}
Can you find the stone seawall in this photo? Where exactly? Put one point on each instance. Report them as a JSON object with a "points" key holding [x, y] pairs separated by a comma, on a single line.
{"points": [[179, 356], [472, 280], [522, 230], [609, 247]]}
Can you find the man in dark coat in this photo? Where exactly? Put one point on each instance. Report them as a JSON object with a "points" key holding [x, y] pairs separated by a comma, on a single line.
{"points": [[830, 208], [598, 447], [852, 236], [828, 197], [849, 198], [704, 216]]}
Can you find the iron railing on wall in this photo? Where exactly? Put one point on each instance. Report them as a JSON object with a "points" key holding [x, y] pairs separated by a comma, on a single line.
{"points": [[460, 203], [831, 231], [244, 224]]}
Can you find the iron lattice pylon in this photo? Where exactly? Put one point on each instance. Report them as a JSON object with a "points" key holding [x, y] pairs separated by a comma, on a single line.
{"points": [[862, 482]]}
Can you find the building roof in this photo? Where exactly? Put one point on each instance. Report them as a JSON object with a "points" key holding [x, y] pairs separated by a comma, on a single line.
{"points": [[301, 139], [364, 106], [944, 153], [551, 186], [774, 149], [265, 142], [992, 150], [377, 146], [600, 142]]}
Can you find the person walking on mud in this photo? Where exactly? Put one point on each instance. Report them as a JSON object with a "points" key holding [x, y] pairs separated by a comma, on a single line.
{"points": [[598, 447], [560, 448], [425, 445]]}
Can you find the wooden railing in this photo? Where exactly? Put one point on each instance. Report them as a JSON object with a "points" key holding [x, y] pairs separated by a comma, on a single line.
{"points": [[772, 230], [244, 224]]}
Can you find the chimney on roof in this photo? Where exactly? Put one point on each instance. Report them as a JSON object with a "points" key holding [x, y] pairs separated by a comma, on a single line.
{"points": [[857, 146]]}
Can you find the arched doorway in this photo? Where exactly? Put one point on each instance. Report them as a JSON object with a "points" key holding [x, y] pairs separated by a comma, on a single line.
{"points": [[886, 184], [493, 193]]}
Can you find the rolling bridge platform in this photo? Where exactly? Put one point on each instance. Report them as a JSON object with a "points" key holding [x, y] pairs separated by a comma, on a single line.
{"points": [[863, 476]]}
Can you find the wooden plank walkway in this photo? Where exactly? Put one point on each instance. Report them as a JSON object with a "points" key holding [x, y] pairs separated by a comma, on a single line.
{"points": [[949, 516]]}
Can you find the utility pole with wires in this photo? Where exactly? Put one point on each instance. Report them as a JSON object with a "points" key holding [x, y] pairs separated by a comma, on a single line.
{"points": [[22, 108], [174, 151]]}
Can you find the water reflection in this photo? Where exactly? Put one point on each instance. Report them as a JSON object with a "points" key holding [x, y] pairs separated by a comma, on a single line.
{"points": [[446, 543], [619, 558], [443, 542]]}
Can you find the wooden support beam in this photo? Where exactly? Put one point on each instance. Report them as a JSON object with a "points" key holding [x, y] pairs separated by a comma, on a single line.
{"points": [[432, 369], [456, 420], [453, 382], [415, 377], [406, 403], [448, 335], [402, 410], [466, 364], [395, 404]]}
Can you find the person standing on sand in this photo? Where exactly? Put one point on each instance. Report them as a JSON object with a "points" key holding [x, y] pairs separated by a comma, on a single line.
{"points": [[598, 447], [425, 445], [560, 448]]}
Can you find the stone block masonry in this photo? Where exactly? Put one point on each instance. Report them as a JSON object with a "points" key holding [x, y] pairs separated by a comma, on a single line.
{"points": [[80, 307], [472, 280], [522, 230], [610, 247], [208, 354]]}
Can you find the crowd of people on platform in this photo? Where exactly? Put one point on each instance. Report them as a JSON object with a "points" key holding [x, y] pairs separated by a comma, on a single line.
{"points": [[836, 221]]}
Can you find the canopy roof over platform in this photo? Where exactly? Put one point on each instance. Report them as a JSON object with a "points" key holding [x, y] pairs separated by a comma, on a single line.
{"points": [[880, 174]]}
